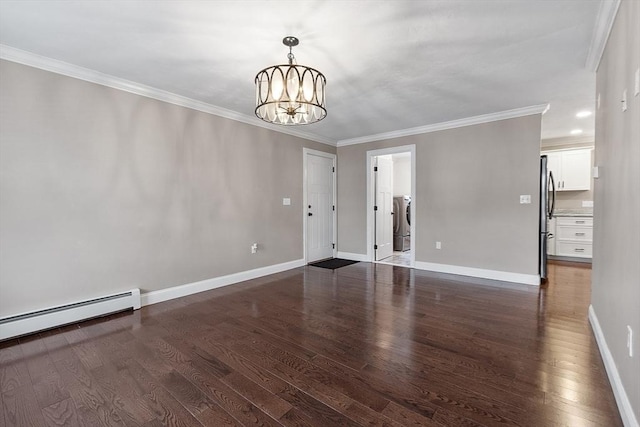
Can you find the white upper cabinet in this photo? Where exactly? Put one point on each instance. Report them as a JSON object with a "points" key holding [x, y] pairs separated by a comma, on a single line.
{"points": [[571, 169]]}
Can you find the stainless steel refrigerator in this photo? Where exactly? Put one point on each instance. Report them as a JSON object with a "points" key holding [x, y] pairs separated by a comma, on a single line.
{"points": [[547, 204]]}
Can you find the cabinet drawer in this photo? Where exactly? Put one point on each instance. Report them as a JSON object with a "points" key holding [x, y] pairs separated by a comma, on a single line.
{"points": [[575, 249], [572, 220], [574, 233]]}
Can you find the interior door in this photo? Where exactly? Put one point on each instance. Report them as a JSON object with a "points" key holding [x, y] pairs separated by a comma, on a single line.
{"points": [[384, 207], [319, 207]]}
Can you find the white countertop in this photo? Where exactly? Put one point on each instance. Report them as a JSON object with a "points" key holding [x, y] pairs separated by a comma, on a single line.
{"points": [[573, 212]]}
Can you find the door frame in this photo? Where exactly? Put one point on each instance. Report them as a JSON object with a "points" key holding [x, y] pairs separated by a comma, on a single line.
{"points": [[371, 197], [305, 153]]}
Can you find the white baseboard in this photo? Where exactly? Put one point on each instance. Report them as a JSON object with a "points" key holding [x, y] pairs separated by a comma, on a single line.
{"points": [[624, 405], [352, 256], [569, 258], [155, 297], [505, 276]]}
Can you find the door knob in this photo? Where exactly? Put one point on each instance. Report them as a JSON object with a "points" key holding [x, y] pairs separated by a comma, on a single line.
{"points": [[310, 214]]}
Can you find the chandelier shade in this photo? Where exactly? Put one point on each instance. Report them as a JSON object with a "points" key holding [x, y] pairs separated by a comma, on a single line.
{"points": [[290, 94]]}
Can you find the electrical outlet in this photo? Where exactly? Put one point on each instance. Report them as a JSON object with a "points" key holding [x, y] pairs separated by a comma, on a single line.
{"points": [[438, 245], [630, 340], [587, 203], [525, 199], [286, 201]]}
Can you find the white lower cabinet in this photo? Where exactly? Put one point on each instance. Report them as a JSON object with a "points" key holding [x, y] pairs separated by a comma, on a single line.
{"points": [[573, 236], [574, 249]]}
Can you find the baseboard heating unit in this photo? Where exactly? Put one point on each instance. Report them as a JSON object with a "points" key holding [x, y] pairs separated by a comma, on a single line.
{"points": [[28, 323]]}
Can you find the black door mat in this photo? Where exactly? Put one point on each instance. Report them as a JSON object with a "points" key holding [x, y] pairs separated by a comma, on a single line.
{"points": [[333, 263]]}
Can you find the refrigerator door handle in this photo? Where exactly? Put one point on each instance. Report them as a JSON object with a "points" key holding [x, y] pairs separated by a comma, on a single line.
{"points": [[553, 195]]}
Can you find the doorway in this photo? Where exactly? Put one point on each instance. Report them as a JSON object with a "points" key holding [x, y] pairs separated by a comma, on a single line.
{"points": [[319, 203], [391, 205]]}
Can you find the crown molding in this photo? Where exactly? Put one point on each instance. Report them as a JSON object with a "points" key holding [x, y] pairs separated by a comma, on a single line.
{"points": [[604, 23], [64, 68], [485, 118], [552, 143]]}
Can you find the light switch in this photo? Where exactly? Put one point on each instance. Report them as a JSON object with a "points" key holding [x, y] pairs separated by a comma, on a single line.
{"points": [[286, 201], [525, 199], [624, 100]]}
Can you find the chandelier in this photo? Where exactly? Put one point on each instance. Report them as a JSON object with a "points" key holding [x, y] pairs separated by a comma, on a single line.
{"points": [[290, 94]]}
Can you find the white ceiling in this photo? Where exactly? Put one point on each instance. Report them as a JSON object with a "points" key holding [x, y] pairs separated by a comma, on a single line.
{"points": [[390, 65]]}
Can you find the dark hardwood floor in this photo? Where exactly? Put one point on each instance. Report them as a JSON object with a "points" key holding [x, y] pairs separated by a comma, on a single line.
{"points": [[364, 345]]}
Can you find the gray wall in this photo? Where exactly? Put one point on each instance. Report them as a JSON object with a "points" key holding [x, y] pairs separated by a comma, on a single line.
{"points": [[102, 191], [468, 183], [401, 175], [615, 293]]}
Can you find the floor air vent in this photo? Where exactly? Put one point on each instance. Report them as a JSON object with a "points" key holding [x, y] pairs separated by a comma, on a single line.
{"points": [[23, 324]]}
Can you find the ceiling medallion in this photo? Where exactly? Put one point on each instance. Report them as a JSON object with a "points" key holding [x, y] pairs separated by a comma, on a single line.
{"points": [[290, 94]]}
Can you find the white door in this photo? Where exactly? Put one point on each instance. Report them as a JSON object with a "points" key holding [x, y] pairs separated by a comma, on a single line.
{"points": [[320, 211], [383, 209]]}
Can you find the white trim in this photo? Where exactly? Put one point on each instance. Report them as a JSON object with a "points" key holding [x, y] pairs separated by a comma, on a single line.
{"points": [[570, 258], [552, 143], [561, 149], [52, 317], [352, 256], [624, 404], [53, 65], [155, 297], [414, 203], [485, 118], [333, 157], [603, 25], [504, 276], [370, 197]]}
